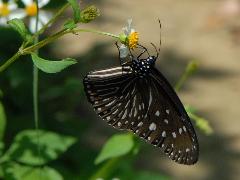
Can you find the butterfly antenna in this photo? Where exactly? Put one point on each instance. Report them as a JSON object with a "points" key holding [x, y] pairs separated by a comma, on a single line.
{"points": [[160, 35]]}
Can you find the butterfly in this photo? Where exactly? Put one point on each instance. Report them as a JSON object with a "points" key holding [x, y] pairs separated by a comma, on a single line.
{"points": [[135, 96]]}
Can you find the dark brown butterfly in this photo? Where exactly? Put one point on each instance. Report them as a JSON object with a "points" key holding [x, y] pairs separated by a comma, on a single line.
{"points": [[137, 97]]}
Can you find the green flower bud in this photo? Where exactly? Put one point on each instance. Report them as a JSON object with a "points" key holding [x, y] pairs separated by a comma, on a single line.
{"points": [[89, 13], [123, 38]]}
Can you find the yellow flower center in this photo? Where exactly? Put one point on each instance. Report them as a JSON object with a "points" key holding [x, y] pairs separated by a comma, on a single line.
{"points": [[31, 9], [133, 40], [4, 10]]}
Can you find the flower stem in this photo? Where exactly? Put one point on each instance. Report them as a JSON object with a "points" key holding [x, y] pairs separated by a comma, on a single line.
{"points": [[95, 32], [52, 20], [35, 89], [10, 61], [190, 69], [40, 44]]}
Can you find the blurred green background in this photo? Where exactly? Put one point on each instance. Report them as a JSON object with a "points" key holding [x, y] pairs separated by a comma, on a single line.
{"points": [[206, 31]]}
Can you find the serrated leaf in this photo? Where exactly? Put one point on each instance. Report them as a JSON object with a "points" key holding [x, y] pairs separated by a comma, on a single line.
{"points": [[19, 26], [48, 66], [15, 171], [38, 147], [70, 24], [117, 145], [76, 10], [2, 121]]}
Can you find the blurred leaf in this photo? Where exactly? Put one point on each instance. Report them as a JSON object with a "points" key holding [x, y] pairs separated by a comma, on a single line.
{"points": [[1, 93], [201, 123], [70, 24], [143, 175], [19, 26], [52, 66], [76, 10], [190, 109], [117, 145], [2, 121], [15, 171], [189, 70], [38, 147]]}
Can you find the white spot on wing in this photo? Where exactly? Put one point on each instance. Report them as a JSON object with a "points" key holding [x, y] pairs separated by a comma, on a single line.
{"points": [[166, 121], [125, 114], [157, 113], [140, 124], [167, 111], [184, 128], [152, 127], [164, 134], [174, 135], [180, 130]]}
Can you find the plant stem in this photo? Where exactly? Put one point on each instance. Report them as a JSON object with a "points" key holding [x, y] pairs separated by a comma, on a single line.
{"points": [[95, 32], [52, 20], [35, 89], [10, 61], [48, 40], [105, 171], [190, 69]]}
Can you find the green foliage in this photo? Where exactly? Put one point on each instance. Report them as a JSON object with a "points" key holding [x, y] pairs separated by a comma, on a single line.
{"points": [[19, 26], [15, 171], [2, 121], [37, 147], [76, 10], [117, 145], [143, 175], [48, 66]]}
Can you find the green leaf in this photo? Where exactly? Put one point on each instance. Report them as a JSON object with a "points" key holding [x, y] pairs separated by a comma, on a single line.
{"points": [[15, 171], [70, 24], [117, 145], [2, 121], [52, 66], [76, 10], [19, 26], [143, 175], [38, 147]]}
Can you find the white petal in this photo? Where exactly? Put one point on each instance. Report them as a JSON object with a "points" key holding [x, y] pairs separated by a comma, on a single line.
{"points": [[32, 24], [44, 16], [19, 13], [12, 6], [42, 3], [27, 2], [123, 51], [3, 21]]}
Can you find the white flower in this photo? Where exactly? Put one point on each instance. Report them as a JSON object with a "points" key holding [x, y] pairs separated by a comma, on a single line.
{"points": [[130, 37], [31, 11], [9, 10]]}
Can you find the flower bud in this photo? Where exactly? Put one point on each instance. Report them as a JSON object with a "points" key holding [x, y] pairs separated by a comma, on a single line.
{"points": [[89, 13]]}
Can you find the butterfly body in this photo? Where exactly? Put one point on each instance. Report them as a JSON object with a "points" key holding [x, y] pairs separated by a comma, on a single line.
{"points": [[142, 67], [137, 97]]}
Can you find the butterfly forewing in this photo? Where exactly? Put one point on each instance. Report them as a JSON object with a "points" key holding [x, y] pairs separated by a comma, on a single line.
{"points": [[147, 106]]}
